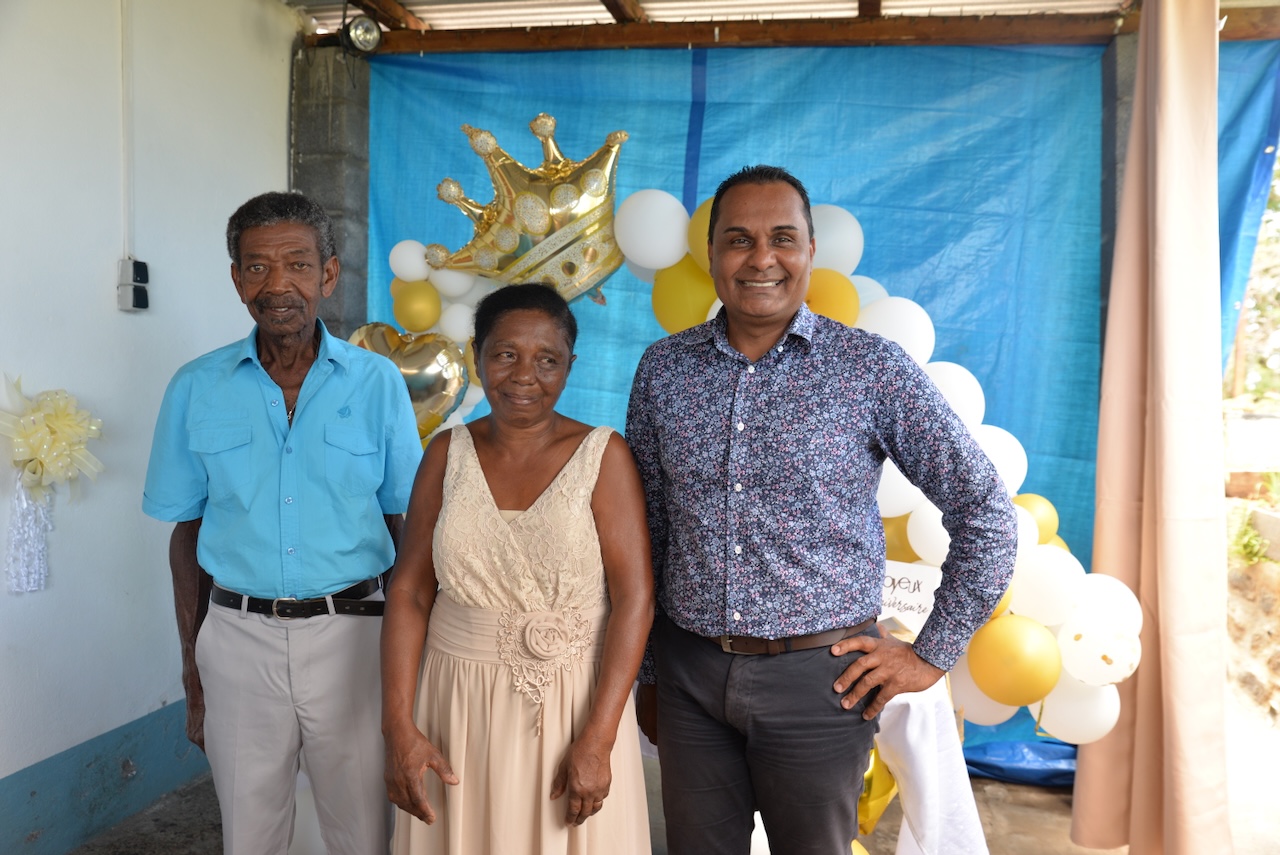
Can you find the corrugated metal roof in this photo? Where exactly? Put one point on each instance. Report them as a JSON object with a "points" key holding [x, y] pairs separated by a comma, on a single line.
{"points": [[493, 14]]}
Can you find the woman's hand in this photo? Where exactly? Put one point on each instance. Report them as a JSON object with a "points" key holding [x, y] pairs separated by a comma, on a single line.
{"points": [[585, 775], [409, 756]]}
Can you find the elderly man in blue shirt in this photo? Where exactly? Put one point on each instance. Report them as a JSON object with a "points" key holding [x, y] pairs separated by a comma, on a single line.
{"points": [[286, 460], [760, 437]]}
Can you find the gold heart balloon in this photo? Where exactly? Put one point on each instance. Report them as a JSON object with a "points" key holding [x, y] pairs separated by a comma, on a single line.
{"points": [[552, 224], [432, 366]]}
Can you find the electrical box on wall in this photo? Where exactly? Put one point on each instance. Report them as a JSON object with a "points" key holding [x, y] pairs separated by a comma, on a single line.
{"points": [[131, 288]]}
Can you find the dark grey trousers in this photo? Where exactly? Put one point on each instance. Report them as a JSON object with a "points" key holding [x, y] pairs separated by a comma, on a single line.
{"points": [[737, 734]]}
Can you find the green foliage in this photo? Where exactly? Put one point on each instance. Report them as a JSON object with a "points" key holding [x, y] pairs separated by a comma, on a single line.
{"points": [[1271, 487], [1246, 541], [1258, 335]]}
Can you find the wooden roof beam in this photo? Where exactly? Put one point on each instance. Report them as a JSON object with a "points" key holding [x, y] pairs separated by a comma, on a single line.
{"points": [[896, 30], [391, 15], [625, 11]]}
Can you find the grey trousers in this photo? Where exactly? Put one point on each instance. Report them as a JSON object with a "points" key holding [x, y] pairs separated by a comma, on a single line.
{"points": [[277, 691], [737, 734]]}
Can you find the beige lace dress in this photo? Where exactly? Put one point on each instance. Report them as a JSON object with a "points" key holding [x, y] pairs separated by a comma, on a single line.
{"points": [[510, 669]]}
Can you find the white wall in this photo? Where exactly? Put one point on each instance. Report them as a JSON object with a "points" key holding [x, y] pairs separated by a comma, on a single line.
{"points": [[208, 123]]}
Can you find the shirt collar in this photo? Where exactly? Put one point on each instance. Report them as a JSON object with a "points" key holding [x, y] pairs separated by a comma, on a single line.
{"points": [[716, 330], [248, 349]]}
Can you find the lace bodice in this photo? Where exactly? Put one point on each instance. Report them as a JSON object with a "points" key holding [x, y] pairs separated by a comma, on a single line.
{"points": [[546, 558]]}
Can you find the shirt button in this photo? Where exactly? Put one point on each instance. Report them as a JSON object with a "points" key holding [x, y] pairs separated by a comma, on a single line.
{"points": [[779, 348], [751, 369], [290, 550], [275, 403], [737, 616], [288, 500], [288, 449], [737, 550], [737, 488], [741, 426]]}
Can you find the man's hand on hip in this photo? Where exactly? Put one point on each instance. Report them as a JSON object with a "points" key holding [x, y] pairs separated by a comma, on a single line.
{"points": [[888, 664]]}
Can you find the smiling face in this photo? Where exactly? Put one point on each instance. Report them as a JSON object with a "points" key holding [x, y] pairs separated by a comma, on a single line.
{"points": [[524, 363], [281, 278], [761, 254]]}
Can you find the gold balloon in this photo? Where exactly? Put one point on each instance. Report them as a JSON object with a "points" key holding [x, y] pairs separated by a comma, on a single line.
{"points": [[416, 305], [896, 546], [682, 295], [1014, 660], [432, 366], [1044, 513], [699, 228], [1057, 541], [832, 294], [553, 224], [878, 789]]}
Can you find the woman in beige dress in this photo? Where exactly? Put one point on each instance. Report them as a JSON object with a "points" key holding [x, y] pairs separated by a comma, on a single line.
{"points": [[517, 616]]}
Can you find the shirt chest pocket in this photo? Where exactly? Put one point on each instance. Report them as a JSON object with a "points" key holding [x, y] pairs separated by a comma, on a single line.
{"points": [[352, 459], [225, 452]]}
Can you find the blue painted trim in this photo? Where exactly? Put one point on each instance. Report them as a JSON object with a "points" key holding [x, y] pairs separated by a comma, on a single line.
{"points": [[55, 805], [697, 115]]}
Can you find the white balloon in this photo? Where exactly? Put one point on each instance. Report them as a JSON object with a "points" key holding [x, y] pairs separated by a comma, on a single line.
{"points": [[457, 322], [715, 308], [452, 284], [969, 700], [644, 274], [839, 238], [480, 289], [408, 260], [926, 535], [1095, 653], [1078, 713], [1046, 584], [896, 495], [903, 321], [1111, 602], [651, 228], [1028, 531], [1006, 453], [961, 389], [869, 290]]}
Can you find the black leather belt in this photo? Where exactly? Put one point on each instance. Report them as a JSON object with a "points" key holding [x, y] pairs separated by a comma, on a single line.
{"points": [[752, 646], [349, 601]]}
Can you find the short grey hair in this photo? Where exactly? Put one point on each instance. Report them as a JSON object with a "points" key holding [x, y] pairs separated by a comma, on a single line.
{"points": [[269, 209]]}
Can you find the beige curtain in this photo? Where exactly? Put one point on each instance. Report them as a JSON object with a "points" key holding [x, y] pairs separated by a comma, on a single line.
{"points": [[1158, 781]]}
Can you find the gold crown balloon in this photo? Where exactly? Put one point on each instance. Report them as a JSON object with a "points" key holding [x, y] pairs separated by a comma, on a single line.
{"points": [[553, 224]]}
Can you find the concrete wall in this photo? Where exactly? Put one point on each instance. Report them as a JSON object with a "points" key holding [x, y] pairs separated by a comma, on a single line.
{"points": [[126, 126]]}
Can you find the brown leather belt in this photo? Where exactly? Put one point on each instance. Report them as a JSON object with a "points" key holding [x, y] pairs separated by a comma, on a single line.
{"points": [[349, 601], [750, 646]]}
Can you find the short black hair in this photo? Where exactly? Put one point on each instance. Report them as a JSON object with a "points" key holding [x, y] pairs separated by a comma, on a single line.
{"points": [[268, 209], [513, 298], [759, 174]]}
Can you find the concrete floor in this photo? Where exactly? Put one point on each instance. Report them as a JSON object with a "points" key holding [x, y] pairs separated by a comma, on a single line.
{"points": [[1019, 820]]}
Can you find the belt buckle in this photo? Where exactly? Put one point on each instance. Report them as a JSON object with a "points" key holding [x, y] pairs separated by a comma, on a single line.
{"points": [[726, 644], [275, 611]]}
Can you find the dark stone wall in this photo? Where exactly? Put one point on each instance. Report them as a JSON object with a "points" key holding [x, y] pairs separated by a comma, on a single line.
{"points": [[330, 163]]}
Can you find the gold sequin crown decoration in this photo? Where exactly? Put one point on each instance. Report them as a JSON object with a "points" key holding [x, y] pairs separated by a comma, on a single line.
{"points": [[553, 224]]}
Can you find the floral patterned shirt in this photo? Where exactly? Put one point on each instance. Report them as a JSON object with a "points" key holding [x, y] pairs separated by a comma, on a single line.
{"points": [[760, 479]]}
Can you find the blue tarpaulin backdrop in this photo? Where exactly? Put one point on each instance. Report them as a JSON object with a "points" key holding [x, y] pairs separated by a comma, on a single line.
{"points": [[975, 173]]}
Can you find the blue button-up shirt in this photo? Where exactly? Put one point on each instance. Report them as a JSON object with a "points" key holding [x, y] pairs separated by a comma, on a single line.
{"points": [[761, 481], [287, 511]]}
